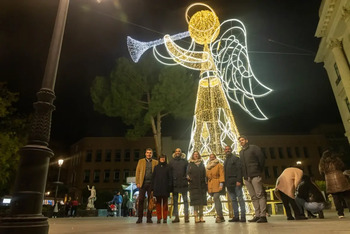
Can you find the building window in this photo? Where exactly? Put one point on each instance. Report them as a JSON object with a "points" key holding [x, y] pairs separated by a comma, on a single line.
{"points": [[306, 152], [264, 152], [108, 155], [275, 171], [96, 176], [338, 74], [98, 155], [127, 155], [297, 152], [309, 169], [117, 155], [106, 176], [280, 152], [347, 103], [126, 174], [116, 176], [267, 173], [289, 152], [86, 176], [88, 156], [132, 173], [272, 153], [136, 155]]}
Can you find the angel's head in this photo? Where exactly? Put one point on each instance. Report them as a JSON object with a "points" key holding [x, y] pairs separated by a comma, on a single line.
{"points": [[203, 25]]}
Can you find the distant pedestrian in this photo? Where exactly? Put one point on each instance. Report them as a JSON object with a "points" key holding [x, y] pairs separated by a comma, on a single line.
{"points": [[118, 200], [253, 163], [234, 184], [162, 186], [74, 208], [196, 175], [124, 206], [68, 207], [337, 184], [216, 179], [144, 171]]}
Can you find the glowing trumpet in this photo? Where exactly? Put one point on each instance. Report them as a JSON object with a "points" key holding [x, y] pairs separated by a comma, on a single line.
{"points": [[137, 48]]}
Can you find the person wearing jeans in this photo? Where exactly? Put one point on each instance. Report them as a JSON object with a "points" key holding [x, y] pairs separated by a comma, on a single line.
{"points": [[234, 183], [216, 179]]}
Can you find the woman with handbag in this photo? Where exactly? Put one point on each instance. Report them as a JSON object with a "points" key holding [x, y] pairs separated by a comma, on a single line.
{"points": [[162, 184], [216, 179], [196, 176]]}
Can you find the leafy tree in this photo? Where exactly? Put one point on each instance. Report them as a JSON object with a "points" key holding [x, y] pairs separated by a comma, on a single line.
{"points": [[12, 137], [143, 94]]}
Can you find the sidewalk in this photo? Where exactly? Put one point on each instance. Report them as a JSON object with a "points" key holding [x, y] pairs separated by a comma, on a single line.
{"points": [[277, 224]]}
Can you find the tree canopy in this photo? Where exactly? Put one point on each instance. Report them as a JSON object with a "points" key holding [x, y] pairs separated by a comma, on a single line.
{"points": [[12, 137], [144, 93]]}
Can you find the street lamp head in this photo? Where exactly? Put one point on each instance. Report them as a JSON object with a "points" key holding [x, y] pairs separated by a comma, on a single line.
{"points": [[298, 162], [60, 162]]}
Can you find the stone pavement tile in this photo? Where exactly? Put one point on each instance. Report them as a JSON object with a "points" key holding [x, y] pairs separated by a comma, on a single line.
{"points": [[277, 224]]}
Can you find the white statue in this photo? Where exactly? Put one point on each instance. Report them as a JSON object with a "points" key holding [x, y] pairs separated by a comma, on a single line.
{"points": [[92, 198]]}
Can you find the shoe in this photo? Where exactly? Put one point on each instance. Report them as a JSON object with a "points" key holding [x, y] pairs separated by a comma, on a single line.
{"points": [[222, 219], [290, 218], [139, 220], [253, 220], [262, 220], [300, 218], [165, 221], [176, 220], [159, 220], [311, 216], [149, 221], [341, 216], [243, 220], [187, 219], [218, 220], [320, 215], [202, 220], [235, 219]]}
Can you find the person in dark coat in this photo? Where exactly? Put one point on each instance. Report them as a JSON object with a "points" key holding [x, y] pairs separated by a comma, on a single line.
{"points": [[253, 164], [310, 197], [196, 175], [234, 184], [337, 184], [161, 185], [178, 166]]}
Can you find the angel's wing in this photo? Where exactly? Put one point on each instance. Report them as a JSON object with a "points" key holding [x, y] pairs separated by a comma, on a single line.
{"points": [[231, 58]]}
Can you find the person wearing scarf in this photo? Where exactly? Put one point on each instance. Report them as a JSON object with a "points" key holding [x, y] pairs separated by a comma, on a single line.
{"points": [[196, 176], [216, 179]]}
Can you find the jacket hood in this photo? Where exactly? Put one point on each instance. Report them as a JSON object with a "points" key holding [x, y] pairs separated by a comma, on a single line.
{"points": [[182, 155]]}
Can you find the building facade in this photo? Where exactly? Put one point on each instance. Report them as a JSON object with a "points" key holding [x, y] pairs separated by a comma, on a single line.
{"points": [[334, 51]]}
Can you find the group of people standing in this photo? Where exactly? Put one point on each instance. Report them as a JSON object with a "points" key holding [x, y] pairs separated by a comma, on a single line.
{"points": [[158, 178]]}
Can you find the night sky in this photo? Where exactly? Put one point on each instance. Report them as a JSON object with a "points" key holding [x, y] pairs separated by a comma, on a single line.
{"points": [[281, 45]]}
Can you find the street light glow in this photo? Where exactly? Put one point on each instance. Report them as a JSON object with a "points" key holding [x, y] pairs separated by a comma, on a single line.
{"points": [[60, 162]]}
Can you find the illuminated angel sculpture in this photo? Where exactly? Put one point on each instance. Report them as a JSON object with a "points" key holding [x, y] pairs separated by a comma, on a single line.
{"points": [[225, 73]]}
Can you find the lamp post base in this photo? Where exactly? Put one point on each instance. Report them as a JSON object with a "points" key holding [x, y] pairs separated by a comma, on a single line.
{"points": [[24, 225]]}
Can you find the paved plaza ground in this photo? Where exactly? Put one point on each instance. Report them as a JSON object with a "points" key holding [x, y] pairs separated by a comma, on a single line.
{"points": [[277, 224]]}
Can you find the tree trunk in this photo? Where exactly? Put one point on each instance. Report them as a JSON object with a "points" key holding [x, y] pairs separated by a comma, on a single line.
{"points": [[156, 129]]}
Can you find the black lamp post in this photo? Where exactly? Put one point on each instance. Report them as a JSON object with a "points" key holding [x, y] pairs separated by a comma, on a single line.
{"points": [[60, 162], [26, 204]]}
